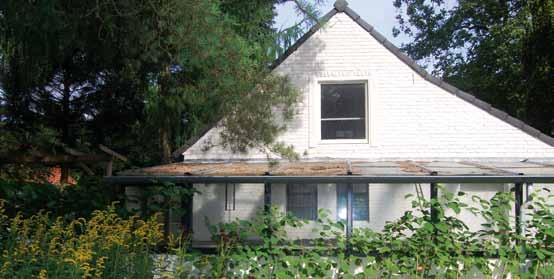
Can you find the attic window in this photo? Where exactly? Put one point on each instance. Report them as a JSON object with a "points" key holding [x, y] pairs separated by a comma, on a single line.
{"points": [[343, 111]]}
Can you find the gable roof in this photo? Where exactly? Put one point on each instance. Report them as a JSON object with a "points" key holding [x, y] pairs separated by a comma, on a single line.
{"points": [[341, 6]]}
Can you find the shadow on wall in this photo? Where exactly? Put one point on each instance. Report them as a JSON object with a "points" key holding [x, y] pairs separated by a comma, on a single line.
{"points": [[213, 204], [388, 202], [300, 66]]}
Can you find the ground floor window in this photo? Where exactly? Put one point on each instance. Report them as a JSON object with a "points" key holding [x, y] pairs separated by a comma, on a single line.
{"points": [[302, 201], [360, 202]]}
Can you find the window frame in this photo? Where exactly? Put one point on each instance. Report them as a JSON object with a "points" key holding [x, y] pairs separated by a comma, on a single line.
{"points": [[315, 201], [366, 192], [365, 140]]}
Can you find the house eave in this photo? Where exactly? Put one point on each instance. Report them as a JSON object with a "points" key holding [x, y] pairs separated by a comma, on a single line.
{"points": [[404, 179], [342, 171], [342, 7]]}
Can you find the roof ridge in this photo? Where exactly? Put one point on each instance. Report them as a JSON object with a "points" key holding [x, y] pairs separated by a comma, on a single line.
{"points": [[341, 6], [468, 97]]}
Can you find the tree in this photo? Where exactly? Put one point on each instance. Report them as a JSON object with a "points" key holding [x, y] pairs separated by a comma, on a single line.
{"points": [[144, 76], [499, 50]]}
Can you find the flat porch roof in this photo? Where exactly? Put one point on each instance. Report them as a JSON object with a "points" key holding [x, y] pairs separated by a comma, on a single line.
{"points": [[342, 171]]}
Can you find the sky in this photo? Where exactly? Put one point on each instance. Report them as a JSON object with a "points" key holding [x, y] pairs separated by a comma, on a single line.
{"points": [[379, 13]]}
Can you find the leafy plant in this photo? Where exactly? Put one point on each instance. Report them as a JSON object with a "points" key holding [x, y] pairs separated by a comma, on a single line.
{"points": [[420, 244], [103, 246], [417, 245]]}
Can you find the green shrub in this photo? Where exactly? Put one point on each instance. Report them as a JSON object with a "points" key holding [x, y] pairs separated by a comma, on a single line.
{"points": [[71, 201], [417, 245], [414, 246], [103, 246]]}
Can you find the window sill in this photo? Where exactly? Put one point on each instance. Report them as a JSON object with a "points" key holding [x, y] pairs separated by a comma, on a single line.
{"points": [[345, 141]]}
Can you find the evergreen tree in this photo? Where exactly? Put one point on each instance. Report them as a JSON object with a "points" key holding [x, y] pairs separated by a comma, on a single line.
{"points": [[144, 76]]}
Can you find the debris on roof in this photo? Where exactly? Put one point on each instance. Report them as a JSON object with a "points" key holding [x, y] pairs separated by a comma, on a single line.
{"points": [[341, 167]]}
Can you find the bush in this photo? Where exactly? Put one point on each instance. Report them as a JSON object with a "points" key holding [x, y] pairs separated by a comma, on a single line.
{"points": [[414, 246], [104, 246], [70, 202], [417, 245]]}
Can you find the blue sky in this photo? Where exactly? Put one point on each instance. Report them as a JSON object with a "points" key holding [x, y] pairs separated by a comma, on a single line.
{"points": [[379, 13]]}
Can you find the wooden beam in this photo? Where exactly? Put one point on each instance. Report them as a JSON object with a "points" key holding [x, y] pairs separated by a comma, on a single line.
{"points": [[113, 153], [85, 168], [64, 175], [109, 168], [72, 151]]}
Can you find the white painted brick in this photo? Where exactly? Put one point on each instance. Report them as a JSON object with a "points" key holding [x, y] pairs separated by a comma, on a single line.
{"points": [[412, 118]]}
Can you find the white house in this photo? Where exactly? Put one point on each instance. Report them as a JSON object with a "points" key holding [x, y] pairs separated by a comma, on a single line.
{"points": [[366, 110]]}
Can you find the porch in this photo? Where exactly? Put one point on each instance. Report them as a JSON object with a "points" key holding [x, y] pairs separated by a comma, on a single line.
{"points": [[520, 177]]}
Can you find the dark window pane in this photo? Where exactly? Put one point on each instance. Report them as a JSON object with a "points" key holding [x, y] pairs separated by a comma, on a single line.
{"points": [[302, 200], [342, 100], [360, 202], [343, 129]]}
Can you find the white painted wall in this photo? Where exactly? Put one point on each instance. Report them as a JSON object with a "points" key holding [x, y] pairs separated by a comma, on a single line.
{"points": [[387, 203], [209, 205], [409, 118]]}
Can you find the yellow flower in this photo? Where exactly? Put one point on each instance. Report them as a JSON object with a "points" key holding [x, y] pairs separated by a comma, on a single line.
{"points": [[43, 274], [5, 268], [99, 269], [82, 244]]}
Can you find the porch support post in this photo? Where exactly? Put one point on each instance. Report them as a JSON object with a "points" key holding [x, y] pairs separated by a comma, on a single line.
{"points": [[434, 196], [518, 192], [349, 211], [186, 204], [267, 195], [267, 211]]}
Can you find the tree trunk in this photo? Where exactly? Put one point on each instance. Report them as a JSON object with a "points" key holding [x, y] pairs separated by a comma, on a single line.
{"points": [[66, 138], [166, 145], [165, 132]]}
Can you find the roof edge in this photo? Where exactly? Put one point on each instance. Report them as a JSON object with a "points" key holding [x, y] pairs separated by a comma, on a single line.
{"points": [[470, 98], [303, 39], [190, 142]]}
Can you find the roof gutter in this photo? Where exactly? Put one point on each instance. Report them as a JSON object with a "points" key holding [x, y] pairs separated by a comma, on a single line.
{"points": [[402, 179]]}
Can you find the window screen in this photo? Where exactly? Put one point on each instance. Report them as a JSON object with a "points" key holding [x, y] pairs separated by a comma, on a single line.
{"points": [[302, 201], [360, 202], [343, 113]]}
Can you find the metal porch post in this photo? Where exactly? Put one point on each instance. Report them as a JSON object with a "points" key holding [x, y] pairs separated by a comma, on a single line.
{"points": [[267, 209], [186, 204], [434, 196], [518, 192], [349, 212], [267, 195]]}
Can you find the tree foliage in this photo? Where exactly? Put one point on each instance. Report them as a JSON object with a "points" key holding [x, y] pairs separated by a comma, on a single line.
{"points": [[144, 76], [499, 50]]}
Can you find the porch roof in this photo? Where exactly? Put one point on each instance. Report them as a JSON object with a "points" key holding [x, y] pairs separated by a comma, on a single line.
{"points": [[393, 171]]}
